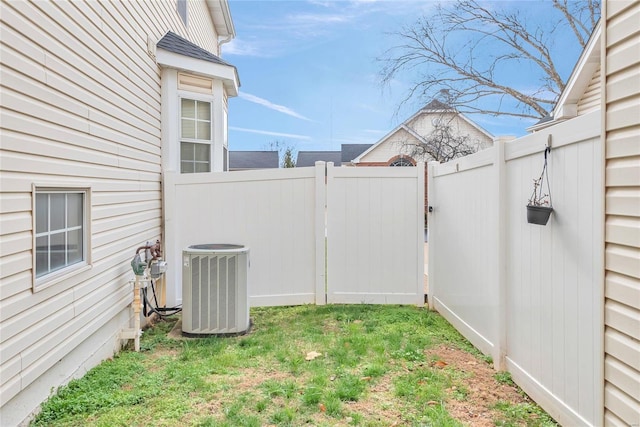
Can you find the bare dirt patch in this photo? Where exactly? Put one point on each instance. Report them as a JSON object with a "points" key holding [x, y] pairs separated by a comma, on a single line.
{"points": [[376, 406], [477, 377], [483, 391]]}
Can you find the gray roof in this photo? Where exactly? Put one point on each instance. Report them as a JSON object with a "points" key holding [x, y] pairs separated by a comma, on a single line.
{"points": [[545, 119], [436, 105], [176, 44], [253, 160], [351, 151], [309, 158]]}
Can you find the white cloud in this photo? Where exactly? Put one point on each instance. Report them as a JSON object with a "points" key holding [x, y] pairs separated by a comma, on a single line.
{"points": [[266, 132], [323, 3], [371, 108], [317, 18], [270, 105], [243, 48]]}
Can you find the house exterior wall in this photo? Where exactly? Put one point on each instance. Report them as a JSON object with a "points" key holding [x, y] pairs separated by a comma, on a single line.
{"points": [[389, 149], [621, 107], [590, 100], [81, 106], [423, 125], [200, 29]]}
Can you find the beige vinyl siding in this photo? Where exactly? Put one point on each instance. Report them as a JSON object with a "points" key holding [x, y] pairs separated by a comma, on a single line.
{"points": [[390, 148], [200, 18], [590, 100], [80, 107], [622, 230], [423, 125]]}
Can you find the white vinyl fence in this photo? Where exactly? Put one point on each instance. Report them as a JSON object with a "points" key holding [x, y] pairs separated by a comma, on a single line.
{"points": [[298, 240], [375, 235], [528, 295]]}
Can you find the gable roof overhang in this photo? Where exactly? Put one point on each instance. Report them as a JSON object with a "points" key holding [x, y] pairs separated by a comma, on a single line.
{"points": [[588, 63], [173, 51], [221, 17], [402, 127], [567, 105]]}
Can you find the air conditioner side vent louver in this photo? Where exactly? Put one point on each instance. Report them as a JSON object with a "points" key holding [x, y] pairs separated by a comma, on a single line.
{"points": [[215, 298]]}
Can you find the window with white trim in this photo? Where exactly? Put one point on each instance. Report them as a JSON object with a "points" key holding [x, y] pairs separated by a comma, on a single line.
{"points": [[60, 230], [195, 136], [401, 162]]}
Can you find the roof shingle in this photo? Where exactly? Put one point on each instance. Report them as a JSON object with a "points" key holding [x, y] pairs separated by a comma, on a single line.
{"points": [[309, 158], [351, 151], [176, 44], [253, 160]]}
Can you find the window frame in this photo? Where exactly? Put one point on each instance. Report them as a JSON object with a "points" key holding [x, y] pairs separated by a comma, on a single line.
{"points": [[51, 278], [401, 161], [183, 95]]}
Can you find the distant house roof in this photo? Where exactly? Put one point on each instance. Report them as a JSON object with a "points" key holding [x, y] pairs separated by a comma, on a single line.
{"points": [[243, 160], [309, 158], [176, 44], [545, 119], [351, 151], [436, 105]]}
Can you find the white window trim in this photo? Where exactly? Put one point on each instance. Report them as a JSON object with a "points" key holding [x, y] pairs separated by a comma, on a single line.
{"points": [[182, 94], [55, 277]]}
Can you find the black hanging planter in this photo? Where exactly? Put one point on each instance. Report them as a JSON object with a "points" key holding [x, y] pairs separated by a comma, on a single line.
{"points": [[538, 214], [539, 208]]}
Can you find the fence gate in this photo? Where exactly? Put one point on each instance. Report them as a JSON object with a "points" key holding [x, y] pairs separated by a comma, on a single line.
{"points": [[375, 235], [315, 235]]}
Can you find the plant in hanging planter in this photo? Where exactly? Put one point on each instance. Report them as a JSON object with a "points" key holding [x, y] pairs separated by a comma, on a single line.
{"points": [[539, 207]]}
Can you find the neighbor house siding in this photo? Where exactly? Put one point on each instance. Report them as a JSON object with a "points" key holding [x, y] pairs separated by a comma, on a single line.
{"points": [[423, 125], [80, 107], [401, 142], [389, 148], [622, 231], [590, 100]]}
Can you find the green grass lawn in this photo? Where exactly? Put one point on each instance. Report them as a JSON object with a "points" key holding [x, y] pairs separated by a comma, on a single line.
{"points": [[378, 366]]}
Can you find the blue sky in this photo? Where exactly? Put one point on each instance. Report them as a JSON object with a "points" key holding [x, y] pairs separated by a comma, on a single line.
{"points": [[310, 76]]}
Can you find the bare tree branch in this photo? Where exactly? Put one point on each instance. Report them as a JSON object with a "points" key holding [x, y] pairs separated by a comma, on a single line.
{"points": [[573, 13], [445, 141], [465, 48]]}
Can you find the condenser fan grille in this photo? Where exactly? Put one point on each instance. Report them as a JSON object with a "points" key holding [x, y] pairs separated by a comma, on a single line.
{"points": [[215, 296]]}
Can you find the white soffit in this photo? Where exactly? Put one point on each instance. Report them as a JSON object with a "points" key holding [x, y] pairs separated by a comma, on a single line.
{"points": [[221, 17]]}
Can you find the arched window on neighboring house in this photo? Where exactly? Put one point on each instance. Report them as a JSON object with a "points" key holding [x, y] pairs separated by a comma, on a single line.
{"points": [[402, 161]]}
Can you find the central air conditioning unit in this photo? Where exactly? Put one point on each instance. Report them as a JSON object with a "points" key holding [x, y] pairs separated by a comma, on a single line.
{"points": [[215, 298]]}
